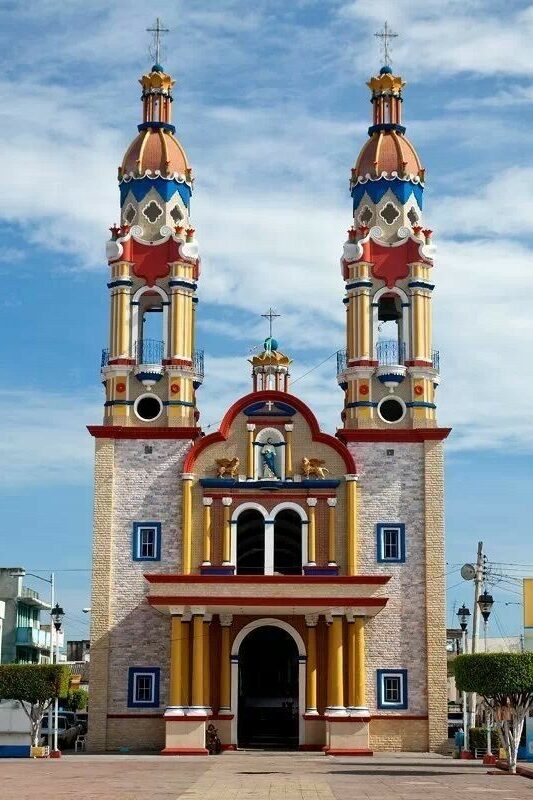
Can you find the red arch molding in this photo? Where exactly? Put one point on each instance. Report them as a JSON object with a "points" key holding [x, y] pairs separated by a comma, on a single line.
{"points": [[282, 397]]}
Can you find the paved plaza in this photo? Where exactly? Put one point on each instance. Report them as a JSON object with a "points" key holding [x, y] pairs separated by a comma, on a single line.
{"points": [[257, 776]]}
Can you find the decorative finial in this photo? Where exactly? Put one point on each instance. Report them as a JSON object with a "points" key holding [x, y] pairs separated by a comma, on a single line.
{"points": [[385, 35], [270, 315], [155, 49]]}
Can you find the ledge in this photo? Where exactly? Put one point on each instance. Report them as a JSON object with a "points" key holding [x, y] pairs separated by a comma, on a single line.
{"points": [[235, 485], [136, 432], [354, 580], [399, 435]]}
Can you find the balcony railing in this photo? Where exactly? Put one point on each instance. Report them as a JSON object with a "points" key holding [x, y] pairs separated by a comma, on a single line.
{"points": [[388, 353], [30, 593], [151, 351], [33, 637]]}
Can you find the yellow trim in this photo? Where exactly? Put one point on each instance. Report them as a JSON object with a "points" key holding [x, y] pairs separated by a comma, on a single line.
{"points": [[331, 534], [359, 662], [311, 536], [187, 525], [185, 663], [335, 664], [288, 453], [311, 670], [197, 660], [226, 535], [207, 663], [207, 533], [250, 453], [175, 661], [351, 527]]}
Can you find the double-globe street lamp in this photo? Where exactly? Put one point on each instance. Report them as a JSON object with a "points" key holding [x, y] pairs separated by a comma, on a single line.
{"points": [[463, 615], [485, 603]]}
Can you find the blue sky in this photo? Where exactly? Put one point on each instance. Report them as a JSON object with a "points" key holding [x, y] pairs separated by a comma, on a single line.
{"points": [[272, 107]]}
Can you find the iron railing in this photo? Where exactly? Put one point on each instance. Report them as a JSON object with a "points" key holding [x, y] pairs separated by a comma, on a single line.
{"points": [[151, 351], [342, 360], [198, 363], [435, 357], [390, 351]]}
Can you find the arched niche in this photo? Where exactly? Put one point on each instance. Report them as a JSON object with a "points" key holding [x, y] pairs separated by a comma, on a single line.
{"points": [[269, 454]]}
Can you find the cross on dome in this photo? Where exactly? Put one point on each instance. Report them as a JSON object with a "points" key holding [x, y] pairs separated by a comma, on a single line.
{"points": [[270, 315], [385, 35], [157, 30]]}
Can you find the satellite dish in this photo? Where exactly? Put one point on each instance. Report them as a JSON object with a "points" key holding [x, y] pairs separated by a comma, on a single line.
{"points": [[468, 572]]}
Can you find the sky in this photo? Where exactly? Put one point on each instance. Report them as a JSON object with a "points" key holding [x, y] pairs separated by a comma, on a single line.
{"points": [[272, 108]]}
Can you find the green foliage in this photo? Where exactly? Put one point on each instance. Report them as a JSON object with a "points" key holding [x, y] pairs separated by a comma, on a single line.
{"points": [[33, 683], [492, 674], [477, 738], [76, 700]]}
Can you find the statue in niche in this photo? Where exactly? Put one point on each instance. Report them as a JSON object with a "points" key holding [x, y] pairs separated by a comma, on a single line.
{"points": [[268, 459]]}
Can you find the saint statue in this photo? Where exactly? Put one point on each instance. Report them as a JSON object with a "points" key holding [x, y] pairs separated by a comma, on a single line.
{"points": [[268, 457]]}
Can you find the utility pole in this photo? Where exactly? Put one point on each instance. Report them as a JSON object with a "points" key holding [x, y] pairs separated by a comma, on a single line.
{"points": [[478, 581]]}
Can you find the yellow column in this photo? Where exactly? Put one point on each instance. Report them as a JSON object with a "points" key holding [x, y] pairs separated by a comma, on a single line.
{"points": [[185, 664], [351, 524], [418, 326], [207, 662], [187, 480], [250, 427], [197, 661], [311, 532], [175, 661], [363, 322], [226, 531], [335, 665], [289, 427], [332, 503], [225, 664], [208, 502], [350, 328], [311, 669], [360, 671]]}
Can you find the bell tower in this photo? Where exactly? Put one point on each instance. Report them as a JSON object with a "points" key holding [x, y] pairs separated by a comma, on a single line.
{"points": [[389, 370], [151, 369]]}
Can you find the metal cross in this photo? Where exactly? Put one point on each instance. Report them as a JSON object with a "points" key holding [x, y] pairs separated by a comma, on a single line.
{"points": [[157, 31], [385, 35], [270, 316]]}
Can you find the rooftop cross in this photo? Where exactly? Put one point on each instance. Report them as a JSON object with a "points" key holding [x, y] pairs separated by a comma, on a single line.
{"points": [[270, 315], [385, 35], [157, 31]]}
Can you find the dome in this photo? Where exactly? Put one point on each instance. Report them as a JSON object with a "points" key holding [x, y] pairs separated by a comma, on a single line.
{"points": [[155, 150], [385, 70], [387, 151], [271, 344]]}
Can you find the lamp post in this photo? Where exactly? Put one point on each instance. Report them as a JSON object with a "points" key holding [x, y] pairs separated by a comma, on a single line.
{"points": [[485, 603], [57, 614], [463, 615]]}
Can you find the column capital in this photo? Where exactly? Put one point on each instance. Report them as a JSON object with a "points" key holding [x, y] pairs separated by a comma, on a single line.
{"points": [[207, 501], [197, 611], [312, 501], [311, 620], [289, 426], [250, 426], [351, 478], [225, 620], [227, 501], [187, 476], [332, 502], [175, 611], [208, 617]]}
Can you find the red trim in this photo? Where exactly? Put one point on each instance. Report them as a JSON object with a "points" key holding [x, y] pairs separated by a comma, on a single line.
{"points": [[333, 718], [134, 716], [184, 751], [312, 717], [362, 751], [121, 432], [417, 362], [226, 747], [363, 362], [221, 716], [311, 748], [356, 580], [381, 435], [283, 397], [399, 716], [185, 718], [119, 362], [290, 602]]}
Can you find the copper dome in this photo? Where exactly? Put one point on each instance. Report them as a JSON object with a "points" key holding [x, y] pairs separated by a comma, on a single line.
{"points": [[155, 150], [388, 151]]}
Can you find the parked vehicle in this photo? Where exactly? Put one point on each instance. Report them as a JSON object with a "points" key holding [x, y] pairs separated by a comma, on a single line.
{"points": [[67, 732]]}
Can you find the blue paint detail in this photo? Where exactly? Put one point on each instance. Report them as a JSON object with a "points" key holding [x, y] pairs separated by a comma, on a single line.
{"points": [[376, 190], [346, 300], [136, 535], [390, 377], [363, 282], [362, 404], [420, 404], [178, 403], [121, 282], [155, 672], [385, 70], [234, 484], [278, 410], [229, 569], [14, 750], [156, 126], [400, 673], [166, 189], [321, 570], [380, 527], [386, 126], [119, 402], [421, 285], [187, 284], [149, 376]]}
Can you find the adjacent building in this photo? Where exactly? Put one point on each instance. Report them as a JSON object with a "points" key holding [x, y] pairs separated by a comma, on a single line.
{"points": [[283, 583], [25, 638]]}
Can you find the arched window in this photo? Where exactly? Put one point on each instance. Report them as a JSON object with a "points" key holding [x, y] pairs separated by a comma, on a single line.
{"points": [[288, 543], [149, 325], [250, 543], [390, 338]]}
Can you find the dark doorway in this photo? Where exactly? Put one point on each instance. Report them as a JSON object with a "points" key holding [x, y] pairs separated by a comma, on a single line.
{"points": [[250, 543], [268, 690], [288, 543]]}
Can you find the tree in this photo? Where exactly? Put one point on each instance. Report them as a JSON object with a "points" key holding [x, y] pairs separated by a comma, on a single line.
{"points": [[35, 685], [76, 700], [505, 681]]}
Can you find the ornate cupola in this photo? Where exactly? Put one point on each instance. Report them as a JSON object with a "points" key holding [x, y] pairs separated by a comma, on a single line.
{"points": [[270, 368], [389, 371]]}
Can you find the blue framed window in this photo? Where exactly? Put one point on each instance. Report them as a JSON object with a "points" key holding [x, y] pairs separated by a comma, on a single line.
{"points": [[143, 687], [392, 688], [391, 542], [147, 541]]}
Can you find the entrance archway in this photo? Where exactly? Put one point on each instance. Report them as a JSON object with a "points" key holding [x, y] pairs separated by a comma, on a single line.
{"points": [[269, 686]]}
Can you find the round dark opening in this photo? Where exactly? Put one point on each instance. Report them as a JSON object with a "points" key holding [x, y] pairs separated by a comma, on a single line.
{"points": [[391, 410], [148, 408]]}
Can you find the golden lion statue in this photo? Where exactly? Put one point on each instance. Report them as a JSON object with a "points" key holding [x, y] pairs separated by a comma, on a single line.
{"points": [[227, 466], [314, 466]]}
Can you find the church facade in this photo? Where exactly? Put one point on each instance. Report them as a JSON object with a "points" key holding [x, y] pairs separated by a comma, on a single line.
{"points": [[280, 583]]}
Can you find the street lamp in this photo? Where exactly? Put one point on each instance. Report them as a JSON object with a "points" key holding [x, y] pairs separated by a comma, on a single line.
{"points": [[463, 615], [485, 603], [57, 615]]}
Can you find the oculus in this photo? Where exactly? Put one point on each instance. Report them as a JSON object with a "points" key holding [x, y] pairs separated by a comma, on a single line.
{"points": [[148, 407], [391, 409]]}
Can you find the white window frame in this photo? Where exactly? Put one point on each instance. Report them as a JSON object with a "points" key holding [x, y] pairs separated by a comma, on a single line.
{"points": [[138, 675]]}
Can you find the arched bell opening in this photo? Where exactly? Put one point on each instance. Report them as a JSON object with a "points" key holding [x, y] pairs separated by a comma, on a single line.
{"points": [[288, 543], [390, 329], [149, 326], [250, 543]]}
